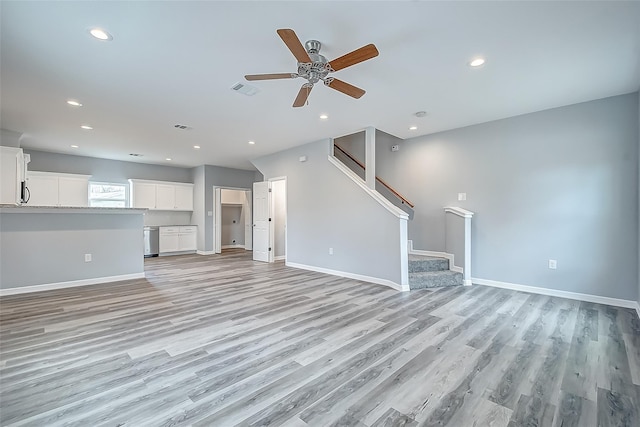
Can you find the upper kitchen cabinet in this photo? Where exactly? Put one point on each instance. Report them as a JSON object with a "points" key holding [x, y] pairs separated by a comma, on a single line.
{"points": [[57, 189], [160, 195]]}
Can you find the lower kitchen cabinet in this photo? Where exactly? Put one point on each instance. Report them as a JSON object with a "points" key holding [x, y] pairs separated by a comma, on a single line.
{"points": [[178, 239]]}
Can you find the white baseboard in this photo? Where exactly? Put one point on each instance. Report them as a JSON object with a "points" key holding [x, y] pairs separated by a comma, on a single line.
{"points": [[206, 252], [562, 294], [279, 258], [446, 255], [232, 247], [71, 284], [385, 282], [467, 282], [638, 308]]}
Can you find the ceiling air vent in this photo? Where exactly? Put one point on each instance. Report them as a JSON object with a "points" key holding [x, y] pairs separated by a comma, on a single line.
{"points": [[245, 89], [181, 127], [135, 155]]}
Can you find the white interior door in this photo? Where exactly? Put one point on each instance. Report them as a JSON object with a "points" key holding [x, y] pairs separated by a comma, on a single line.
{"points": [[217, 221], [261, 220], [248, 223]]}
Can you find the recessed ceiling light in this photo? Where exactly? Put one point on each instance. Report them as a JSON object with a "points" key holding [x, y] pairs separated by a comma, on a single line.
{"points": [[477, 62], [86, 127], [168, 159], [197, 147], [74, 146], [420, 114], [252, 142], [324, 116], [74, 103], [413, 128], [100, 34]]}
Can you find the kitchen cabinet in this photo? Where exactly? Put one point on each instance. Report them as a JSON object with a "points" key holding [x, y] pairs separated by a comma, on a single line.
{"points": [[161, 195], [143, 195], [178, 239], [54, 189]]}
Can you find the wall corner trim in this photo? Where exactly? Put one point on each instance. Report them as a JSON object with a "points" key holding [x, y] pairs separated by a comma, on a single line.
{"points": [[459, 211], [70, 284], [376, 280], [617, 302]]}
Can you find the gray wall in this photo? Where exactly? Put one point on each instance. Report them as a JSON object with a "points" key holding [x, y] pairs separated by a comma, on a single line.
{"points": [[36, 250], [232, 232], [557, 184], [353, 144], [105, 170], [279, 200], [454, 238], [222, 177], [200, 216], [638, 299], [326, 209]]}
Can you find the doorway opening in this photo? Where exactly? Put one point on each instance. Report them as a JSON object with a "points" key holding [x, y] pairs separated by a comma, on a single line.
{"points": [[270, 220], [232, 225]]}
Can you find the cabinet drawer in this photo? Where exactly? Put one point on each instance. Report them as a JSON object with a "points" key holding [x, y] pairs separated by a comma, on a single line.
{"points": [[169, 230], [188, 229]]}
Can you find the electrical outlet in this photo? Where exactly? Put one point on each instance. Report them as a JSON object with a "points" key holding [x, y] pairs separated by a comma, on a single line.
{"points": [[462, 196], [553, 264], [87, 257], [395, 148], [330, 251]]}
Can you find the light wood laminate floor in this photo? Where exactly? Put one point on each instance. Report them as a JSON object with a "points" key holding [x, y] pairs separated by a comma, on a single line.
{"points": [[223, 341]]}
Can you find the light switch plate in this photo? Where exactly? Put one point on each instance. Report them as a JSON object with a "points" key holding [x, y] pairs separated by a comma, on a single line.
{"points": [[462, 196], [553, 264]]}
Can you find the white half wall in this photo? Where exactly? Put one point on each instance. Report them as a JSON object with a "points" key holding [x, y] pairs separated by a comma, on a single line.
{"points": [[327, 210]]}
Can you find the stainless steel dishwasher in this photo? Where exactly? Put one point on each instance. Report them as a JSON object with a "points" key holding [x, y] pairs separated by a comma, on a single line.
{"points": [[151, 241]]}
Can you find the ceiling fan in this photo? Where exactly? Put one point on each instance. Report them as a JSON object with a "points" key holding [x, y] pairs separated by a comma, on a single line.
{"points": [[314, 67]]}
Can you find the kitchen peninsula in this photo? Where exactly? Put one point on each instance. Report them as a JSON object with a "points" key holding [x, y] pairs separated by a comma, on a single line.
{"points": [[44, 248]]}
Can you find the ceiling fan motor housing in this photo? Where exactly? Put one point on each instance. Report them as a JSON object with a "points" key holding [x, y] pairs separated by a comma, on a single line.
{"points": [[319, 68]]}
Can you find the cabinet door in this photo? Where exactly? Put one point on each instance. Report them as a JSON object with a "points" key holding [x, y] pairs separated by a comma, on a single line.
{"points": [[188, 239], [184, 198], [169, 242], [143, 195], [43, 190], [73, 191], [9, 180], [165, 197]]}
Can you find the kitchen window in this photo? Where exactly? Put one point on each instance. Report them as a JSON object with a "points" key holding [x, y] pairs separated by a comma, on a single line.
{"points": [[108, 195]]}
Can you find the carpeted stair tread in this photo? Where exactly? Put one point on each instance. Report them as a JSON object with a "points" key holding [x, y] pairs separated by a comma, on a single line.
{"points": [[434, 279], [418, 263]]}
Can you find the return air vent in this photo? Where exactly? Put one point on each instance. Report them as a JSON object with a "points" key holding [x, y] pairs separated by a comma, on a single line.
{"points": [[245, 89], [135, 154]]}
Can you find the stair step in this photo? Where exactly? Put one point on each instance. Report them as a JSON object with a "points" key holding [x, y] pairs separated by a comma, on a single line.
{"points": [[434, 279], [418, 263]]}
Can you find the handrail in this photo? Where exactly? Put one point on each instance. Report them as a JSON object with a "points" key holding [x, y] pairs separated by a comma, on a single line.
{"points": [[356, 161]]}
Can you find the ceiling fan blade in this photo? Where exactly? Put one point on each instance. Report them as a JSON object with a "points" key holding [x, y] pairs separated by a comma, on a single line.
{"points": [[292, 41], [346, 88], [305, 90], [270, 76], [365, 52]]}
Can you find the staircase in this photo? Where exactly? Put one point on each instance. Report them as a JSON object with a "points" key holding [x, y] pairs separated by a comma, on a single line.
{"points": [[431, 272]]}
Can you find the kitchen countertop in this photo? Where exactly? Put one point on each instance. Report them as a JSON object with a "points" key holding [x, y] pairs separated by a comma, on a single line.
{"points": [[69, 209]]}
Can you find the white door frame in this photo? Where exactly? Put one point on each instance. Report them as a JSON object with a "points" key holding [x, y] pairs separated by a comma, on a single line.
{"points": [[217, 216], [272, 231]]}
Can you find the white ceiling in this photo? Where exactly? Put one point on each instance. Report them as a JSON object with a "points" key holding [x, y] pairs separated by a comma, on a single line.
{"points": [[174, 62]]}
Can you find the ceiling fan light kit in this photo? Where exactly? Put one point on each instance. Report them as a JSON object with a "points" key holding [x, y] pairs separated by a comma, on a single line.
{"points": [[314, 67]]}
